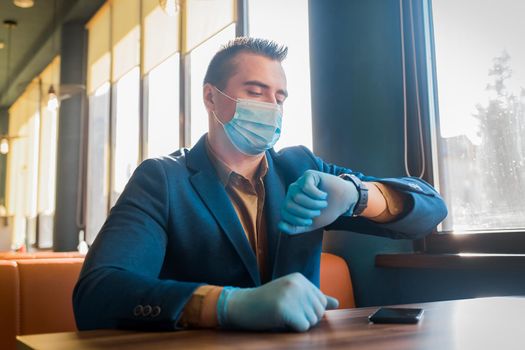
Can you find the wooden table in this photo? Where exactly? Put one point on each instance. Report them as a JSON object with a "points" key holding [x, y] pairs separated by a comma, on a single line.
{"points": [[484, 323]]}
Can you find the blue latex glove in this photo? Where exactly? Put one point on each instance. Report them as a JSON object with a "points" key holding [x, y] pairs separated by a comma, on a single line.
{"points": [[289, 302], [315, 200]]}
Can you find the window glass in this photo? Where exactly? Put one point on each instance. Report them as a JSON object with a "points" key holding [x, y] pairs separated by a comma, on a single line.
{"points": [[22, 165], [98, 143], [480, 63], [284, 15], [163, 108], [47, 149], [126, 145], [97, 162], [200, 58]]}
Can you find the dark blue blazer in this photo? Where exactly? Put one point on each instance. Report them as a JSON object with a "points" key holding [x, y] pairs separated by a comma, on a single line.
{"points": [[174, 229]]}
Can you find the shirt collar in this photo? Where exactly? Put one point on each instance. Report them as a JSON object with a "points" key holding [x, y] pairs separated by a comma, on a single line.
{"points": [[224, 171]]}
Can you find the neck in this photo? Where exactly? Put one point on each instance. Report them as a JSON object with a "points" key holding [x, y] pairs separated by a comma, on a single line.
{"points": [[239, 162]]}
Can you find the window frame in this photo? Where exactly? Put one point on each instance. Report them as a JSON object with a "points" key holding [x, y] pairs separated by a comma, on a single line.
{"points": [[495, 241]]}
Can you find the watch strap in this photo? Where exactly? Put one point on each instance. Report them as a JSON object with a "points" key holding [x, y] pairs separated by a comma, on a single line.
{"points": [[362, 201]]}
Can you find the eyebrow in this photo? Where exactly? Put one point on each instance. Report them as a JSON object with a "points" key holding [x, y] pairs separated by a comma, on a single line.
{"points": [[264, 86]]}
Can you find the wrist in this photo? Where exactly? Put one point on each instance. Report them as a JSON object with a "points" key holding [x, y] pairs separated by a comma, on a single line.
{"points": [[352, 195], [357, 205], [224, 305]]}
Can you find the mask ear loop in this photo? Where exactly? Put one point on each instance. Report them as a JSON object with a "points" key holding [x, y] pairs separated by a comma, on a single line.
{"points": [[213, 112], [217, 119], [222, 93]]}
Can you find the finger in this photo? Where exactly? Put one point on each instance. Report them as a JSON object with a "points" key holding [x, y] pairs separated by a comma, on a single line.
{"points": [[300, 211], [311, 316], [332, 303], [317, 299], [311, 190], [295, 220], [318, 308], [291, 229], [299, 323], [310, 203]]}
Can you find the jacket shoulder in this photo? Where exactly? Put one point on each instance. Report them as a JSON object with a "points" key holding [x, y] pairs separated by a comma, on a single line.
{"points": [[293, 153]]}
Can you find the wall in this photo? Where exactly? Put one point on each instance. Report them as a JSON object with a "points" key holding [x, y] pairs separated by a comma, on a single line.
{"points": [[357, 105]]}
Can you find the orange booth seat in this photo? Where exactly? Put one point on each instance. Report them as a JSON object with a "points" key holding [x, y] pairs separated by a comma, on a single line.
{"points": [[36, 294], [39, 255], [336, 281], [35, 297]]}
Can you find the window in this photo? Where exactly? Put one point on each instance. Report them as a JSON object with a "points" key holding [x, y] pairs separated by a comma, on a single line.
{"points": [[200, 57], [22, 174], [125, 44], [161, 70], [297, 116], [163, 108], [97, 162], [480, 76], [47, 149], [210, 24], [31, 166], [98, 150], [126, 133]]}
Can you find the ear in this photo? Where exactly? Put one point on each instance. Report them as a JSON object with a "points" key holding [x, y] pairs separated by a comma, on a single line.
{"points": [[207, 95]]}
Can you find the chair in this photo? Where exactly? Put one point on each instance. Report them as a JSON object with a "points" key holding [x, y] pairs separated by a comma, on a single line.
{"points": [[336, 281], [35, 297]]}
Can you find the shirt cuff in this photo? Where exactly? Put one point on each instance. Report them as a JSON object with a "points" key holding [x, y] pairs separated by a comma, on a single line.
{"points": [[201, 309], [394, 203]]}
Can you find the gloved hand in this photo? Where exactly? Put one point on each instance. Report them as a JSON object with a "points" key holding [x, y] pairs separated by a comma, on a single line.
{"points": [[289, 302], [315, 200]]}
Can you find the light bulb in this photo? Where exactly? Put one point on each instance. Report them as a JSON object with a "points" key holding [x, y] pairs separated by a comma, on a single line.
{"points": [[52, 99], [4, 146]]}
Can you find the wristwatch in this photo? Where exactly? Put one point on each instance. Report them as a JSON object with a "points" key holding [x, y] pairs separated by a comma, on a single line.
{"points": [[362, 202]]}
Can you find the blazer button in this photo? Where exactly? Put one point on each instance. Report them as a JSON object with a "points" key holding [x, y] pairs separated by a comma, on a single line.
{"points": [[138, 310], [156, 311], [147, 310]]}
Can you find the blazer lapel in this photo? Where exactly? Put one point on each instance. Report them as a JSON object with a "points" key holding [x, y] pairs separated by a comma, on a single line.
{"points": [[212, 192], [275, 193]]}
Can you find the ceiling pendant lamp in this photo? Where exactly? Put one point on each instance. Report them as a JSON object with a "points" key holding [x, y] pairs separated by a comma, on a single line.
{"points": [[4, 145], [25, 4], [52, 99]]}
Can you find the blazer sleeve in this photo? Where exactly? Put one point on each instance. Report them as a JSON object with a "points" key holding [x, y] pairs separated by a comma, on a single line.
{"points": [[425, 210], [119, 285]]}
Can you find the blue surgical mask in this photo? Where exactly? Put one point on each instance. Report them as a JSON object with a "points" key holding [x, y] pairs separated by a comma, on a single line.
{"points": [[255, 126]]}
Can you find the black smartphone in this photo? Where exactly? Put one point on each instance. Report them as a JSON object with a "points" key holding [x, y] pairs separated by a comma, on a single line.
{"points": [[396, 315]]}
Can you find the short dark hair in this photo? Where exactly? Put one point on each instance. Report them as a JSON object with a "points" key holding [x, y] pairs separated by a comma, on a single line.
{"points": [[222, 65]]}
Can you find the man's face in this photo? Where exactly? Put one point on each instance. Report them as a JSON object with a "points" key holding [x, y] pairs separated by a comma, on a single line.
{"points": [[255, 78]]}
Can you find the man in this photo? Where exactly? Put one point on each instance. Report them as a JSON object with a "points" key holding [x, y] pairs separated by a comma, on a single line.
{"points": [[229, 233]]}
